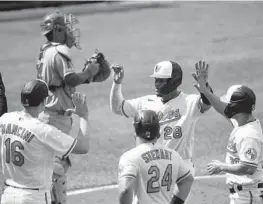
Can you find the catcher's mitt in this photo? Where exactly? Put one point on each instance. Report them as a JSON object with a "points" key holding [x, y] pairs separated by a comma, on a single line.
{"points": [[104, 67]]}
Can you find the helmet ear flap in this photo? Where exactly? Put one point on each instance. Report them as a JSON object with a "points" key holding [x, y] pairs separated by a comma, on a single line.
{"points": [[175, 82]]}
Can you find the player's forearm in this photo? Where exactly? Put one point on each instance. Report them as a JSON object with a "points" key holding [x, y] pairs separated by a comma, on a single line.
{"points": [[3, 105], [215, 101], [3, 101], [76, 79], [237, 169], [126, 196], [116, 99], [82, 146], [184, 187]]}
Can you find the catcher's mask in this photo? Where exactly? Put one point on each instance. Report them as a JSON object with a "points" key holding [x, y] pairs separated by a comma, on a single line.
{"points": [[61, 27], [239, 99], [168, 76], [146, 125]]}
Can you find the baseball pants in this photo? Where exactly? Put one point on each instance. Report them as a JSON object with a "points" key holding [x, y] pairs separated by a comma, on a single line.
{"points": [[190, 165], [59, 185], [11, 195], [247, 197]]}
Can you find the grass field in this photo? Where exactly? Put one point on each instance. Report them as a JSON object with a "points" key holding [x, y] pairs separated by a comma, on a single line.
{"points": [[228, 35]]}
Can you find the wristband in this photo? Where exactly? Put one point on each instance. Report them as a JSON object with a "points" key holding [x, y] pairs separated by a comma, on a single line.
{"points": [[203, 97], [176, 200]]}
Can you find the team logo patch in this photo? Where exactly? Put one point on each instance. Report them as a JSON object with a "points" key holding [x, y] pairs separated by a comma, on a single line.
{"points": [[169, 114], [157, 68], [251, 154]]}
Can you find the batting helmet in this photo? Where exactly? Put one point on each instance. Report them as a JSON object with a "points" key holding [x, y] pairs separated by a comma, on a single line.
{"points": [[146, 124], [171, 71], [240, 99], [34, 92]]}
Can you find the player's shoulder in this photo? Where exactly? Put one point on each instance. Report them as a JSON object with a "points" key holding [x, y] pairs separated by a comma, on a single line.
{"points": [[130, 155], [9, 116], [63, 50], [149, 98], [252, 130], [190, 97], [39, 127]]}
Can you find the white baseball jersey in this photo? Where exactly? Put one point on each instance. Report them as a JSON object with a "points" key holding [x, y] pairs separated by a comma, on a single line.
{"points": [[28, 148], [53, 65], [245, 145], [177, 119], [156, 169]]}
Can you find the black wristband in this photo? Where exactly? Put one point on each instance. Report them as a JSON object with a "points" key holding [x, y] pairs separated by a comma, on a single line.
{"points": [[203, 97], [176, 200]]}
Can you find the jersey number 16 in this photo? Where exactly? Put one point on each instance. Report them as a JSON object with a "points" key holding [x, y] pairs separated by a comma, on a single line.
{"points": [[12, 154]]}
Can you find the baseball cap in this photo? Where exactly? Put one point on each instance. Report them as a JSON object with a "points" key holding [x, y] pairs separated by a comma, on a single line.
{"points": [[34, 92], [239, 94], [166, 69]]}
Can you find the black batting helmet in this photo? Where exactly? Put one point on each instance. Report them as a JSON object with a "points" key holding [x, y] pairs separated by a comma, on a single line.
{"points": [[240, 99], [34, 92], [146, 124]]}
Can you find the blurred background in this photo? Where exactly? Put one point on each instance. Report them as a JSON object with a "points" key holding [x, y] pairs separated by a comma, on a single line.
{"points": [[17, 5]]}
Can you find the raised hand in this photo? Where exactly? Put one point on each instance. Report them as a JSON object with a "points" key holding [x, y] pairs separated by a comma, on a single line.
{"points": [[81, 108], [118, 73], [201, 75]]}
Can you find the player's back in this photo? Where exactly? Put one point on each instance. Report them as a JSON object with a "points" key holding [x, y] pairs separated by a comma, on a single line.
{"points": [[26, 161], [157, 173]]}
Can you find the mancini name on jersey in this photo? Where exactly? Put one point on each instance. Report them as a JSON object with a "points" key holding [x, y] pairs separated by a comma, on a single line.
{"points": [[18, 131]]}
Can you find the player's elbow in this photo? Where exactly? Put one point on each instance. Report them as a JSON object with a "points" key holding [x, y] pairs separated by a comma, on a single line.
{"points": [[250, 170], [189, 179], [81, 148], [72, 79], [186, 182], [81, 151], [116, 110]]}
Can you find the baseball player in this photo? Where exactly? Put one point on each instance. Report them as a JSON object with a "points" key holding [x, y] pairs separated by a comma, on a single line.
{"points": [[177, 111], [3, 102], [28, 146], [55, 67], [149, 172], [244, 157]]}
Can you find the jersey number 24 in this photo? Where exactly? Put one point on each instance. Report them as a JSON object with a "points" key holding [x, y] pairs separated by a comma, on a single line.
{"points": [[153, 183]]}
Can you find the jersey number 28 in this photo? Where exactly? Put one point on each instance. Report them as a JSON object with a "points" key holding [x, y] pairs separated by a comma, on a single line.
{"points": [[170, 132], [153, 183], [12, 154]]}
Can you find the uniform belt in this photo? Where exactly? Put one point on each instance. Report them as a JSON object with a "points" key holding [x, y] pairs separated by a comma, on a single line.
{"points": [[241, 188], [58, 112], [36, 189], [62, 112]]}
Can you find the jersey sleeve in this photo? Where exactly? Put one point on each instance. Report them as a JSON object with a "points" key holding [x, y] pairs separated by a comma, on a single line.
{"points": [[193, 101], [249, 152], [63, 65], [127, 167], [183, 170], [130, 107], [58, 141]]}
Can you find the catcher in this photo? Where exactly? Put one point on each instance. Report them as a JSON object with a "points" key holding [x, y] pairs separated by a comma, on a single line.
{"points": [[55, 67]]}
